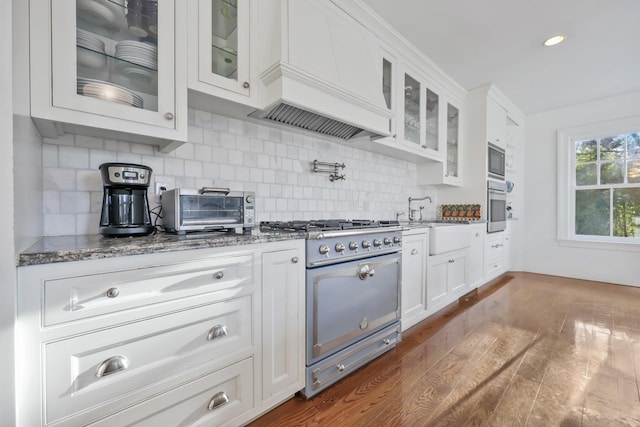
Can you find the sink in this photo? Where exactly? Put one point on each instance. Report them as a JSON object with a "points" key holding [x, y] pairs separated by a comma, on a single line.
{"points": [[445, 237]]}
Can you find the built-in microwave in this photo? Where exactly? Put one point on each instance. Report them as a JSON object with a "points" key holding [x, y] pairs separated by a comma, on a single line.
{"points": [[495, 162]]}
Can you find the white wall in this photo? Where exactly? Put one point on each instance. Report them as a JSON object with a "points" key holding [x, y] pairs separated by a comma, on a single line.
{"points": [[7, 264], [224, 152], [542, 254]]}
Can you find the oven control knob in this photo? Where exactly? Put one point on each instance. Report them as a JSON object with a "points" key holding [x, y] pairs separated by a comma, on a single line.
{"points": [[377, 243], [366, 244], [387, 240], [324, 250], [250, 198], [353, 246], [397, 239], [340, 247]]}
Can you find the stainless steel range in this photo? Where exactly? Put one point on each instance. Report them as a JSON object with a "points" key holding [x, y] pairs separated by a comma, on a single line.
{"points": [[352, 295]]}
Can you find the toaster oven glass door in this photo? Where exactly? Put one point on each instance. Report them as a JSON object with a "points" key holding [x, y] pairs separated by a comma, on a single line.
{"points": [[211, 210]]}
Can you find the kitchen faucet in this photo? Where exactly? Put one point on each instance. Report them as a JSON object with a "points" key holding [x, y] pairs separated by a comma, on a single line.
{"points": [[412, 212]]}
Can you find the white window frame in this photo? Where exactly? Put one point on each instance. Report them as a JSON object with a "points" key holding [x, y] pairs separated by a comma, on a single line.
{"points": [[567, 138]]}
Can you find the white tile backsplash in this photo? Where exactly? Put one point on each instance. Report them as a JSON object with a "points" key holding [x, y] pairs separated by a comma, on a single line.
{"points": [[226, 152]]}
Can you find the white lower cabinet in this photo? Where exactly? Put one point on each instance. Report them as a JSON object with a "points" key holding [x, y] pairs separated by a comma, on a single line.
{"points": [[494, 256], [446, 278], [475, 258], [283, 323], [415, 250], [201, 337]]}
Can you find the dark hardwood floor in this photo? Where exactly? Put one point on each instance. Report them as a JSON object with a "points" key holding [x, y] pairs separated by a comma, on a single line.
{"points": [[527, 349]]}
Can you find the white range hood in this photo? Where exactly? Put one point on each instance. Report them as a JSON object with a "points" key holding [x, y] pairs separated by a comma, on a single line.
{"points": [[320, 70]]}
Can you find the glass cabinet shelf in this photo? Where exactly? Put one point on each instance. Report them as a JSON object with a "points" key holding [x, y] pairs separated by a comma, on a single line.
{"points": [[224, 18], [224, 61]]}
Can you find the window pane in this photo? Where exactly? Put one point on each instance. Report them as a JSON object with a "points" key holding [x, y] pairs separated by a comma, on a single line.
{"points": [[586, 151], [611, 172], [587, 174], [612, 148], [633, 171], [592, 212], [626, 207], [633, 146]]}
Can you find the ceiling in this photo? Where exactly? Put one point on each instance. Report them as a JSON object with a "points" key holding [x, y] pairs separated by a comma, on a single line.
{"points": [[500, 42]]}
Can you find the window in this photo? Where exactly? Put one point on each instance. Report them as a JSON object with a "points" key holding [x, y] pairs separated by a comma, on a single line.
{"points": [[599, 183]]}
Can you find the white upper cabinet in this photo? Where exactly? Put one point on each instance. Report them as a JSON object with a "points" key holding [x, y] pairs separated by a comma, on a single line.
{"points": [[421, 124], [220, 49], [449, 171], [99, 65], [496, 124]]}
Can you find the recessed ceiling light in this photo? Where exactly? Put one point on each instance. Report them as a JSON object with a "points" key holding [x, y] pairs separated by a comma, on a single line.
{"points": [[554, 40]]}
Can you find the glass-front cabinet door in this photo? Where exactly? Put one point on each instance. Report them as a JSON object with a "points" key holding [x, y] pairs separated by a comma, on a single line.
{"points": [[223, 44], [432, 140], [412, 114], [453, 142], [114, 58]]}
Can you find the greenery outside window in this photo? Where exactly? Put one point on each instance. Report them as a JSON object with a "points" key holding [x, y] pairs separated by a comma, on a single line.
{"points": [[599, 183]]}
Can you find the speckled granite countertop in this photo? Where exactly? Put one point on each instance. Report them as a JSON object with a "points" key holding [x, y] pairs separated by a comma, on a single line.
{"points": [[77, 248]]}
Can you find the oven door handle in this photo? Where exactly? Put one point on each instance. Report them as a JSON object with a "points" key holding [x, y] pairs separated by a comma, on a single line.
{"points": [[366, 271], [204, 190]]}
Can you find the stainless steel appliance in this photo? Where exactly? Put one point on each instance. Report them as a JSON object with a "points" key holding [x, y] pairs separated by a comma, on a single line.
{"points": [[185, 210], [125, 207], [353, 277], [496, 206], [495, 162]]}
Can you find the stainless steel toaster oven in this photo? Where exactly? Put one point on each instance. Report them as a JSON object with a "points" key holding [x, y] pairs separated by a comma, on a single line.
{"points": [[185, 210]]}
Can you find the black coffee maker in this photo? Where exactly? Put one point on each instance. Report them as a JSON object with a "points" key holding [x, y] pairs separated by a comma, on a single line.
{"points": [[125, 207]]}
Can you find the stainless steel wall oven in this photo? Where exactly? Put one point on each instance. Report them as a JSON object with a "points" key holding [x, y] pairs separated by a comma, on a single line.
{"points": [[496, 206]]}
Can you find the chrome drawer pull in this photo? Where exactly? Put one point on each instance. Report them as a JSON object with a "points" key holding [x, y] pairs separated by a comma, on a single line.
{"points": [[112, 365], [219, 275], [218, 399], [217, 331], [113, 292]]}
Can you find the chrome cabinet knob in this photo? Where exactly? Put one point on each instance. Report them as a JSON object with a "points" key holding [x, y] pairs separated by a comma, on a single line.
{"points": [[414, 251], [366, 244], [340, 247], [341, 368], [353, 246], [324, 250], [113, 292], [168, 116], [219, 275], [246, 85], [386, 341], [294, 260]]}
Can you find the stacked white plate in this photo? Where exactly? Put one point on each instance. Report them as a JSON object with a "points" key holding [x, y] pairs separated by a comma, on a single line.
{"points": [[108, 92], [90, 49], [133, 53]]}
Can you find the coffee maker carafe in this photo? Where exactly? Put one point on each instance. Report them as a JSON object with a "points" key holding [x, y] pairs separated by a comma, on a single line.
{"points": [[125, 207]]}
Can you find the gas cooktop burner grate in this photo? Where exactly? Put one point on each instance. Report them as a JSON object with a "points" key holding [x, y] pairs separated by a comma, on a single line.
{"points": [[325, 224]]}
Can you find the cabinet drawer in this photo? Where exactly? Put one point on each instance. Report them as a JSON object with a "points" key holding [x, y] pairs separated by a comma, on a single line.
{"points": [[95, 374], [189, 404], [494, 267], [80, 297]]}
